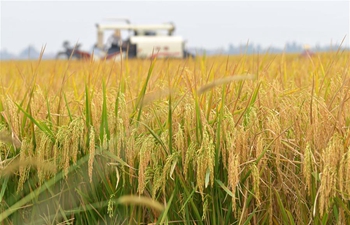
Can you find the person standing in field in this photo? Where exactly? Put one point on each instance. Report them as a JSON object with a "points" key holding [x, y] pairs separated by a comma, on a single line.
{"points": [[307, 52], [114, 42]]}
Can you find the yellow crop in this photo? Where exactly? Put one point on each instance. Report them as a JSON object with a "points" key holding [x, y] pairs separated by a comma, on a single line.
{"points": [[260, 139]]}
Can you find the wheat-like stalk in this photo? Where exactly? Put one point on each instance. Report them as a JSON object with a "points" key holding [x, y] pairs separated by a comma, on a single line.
{"points": [[233, 175], [91, 152], [307, 167], [146, 149]]}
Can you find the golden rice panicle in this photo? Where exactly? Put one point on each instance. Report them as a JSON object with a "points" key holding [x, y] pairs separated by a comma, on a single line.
{"points": [[77, 137], [307, 167], [210, 155], [347, 172], [202, 163], [131, 152], [205, 206], [189, 157], [180, 142], [327, 186], [341, 177], [188, 126], [158, 179], [344, 169], [96, 108], [60, 148], [336, 148], [111, 112], [331, 156], [116, 128], [122, 125], [229, 133], [147, 145], [253, 121], [169, 167], [273, 125], [41, 155], [233, 175], [25, 154], [66, 153], [212, 113], [241, 144], [259, 149], [13, 116], [38, 106], [300, 126], [189, 121], [91, 152], [223, 150], [200, 172], [206, 159], [256, 183], [322, 121]]}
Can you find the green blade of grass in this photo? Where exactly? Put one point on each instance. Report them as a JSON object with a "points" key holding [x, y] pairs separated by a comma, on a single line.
{"points": [[199, 125], [164, 214], [222, 185], [88, 116], [218, 131], [342, 205], [158, 139], [138, 106], [3, 187], [250, 217], [170, 126], [283, 211], [41, 126], [67, 107], [104, 120], [189, 195], [32, 195], [250, 103]]}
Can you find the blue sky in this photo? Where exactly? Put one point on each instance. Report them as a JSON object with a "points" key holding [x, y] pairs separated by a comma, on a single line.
{"points": [[205, 24]]}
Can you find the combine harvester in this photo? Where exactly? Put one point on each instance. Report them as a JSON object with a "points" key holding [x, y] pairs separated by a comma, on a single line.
{"points": [[143, 41]]}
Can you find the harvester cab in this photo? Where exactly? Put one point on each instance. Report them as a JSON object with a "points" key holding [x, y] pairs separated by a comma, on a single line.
{"points": [[142, 41]]}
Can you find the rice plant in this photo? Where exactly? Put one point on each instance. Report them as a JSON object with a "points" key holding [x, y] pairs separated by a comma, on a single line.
{"points": [[261, 139]]}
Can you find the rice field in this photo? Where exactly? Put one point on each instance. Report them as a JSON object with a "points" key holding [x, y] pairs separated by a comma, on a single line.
{"points": [[249, 139]]}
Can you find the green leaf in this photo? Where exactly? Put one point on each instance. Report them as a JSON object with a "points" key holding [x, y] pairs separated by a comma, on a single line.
{"points": [[3, 187], [104, 119], [222, 185], [164, 214], [142, 93], [281, 208], [40, 125], [33, 195]]}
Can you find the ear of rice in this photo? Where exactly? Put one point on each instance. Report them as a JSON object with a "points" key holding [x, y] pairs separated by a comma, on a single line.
{"points": [[224, 80]]}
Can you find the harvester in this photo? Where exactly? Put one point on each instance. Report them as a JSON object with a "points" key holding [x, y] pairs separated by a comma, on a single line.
{"points": [[142, 41]]}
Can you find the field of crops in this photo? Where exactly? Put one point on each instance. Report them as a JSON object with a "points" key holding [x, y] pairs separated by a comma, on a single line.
{"points": [[260, 139]]}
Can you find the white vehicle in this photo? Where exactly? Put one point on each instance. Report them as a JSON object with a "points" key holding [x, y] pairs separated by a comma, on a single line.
{"points": [[143, 41]]}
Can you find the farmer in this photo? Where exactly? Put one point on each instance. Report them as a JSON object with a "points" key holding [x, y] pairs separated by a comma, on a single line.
{"points": [[307, 52], [114, 42]]}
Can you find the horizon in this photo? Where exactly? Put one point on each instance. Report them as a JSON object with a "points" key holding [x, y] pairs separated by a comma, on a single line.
{"points": [[216, 24], [32, 52]]}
